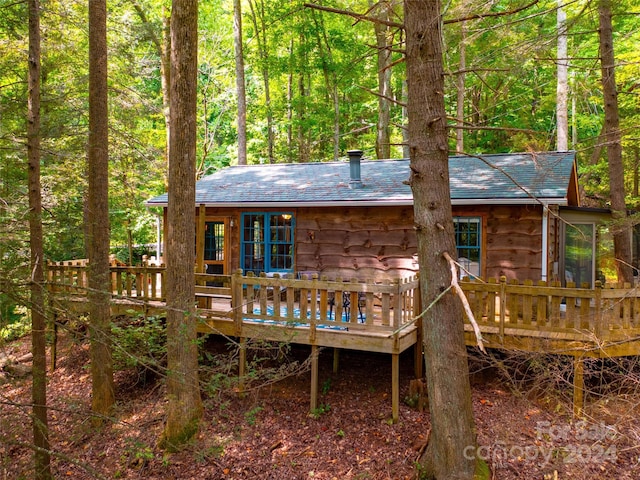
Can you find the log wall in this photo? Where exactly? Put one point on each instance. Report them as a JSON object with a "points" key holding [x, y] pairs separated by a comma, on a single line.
{"points": [[514, 242], [372, 242], [380, 242]]}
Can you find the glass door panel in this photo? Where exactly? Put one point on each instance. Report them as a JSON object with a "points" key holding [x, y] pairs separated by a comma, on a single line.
{"points": [[579, 253]]}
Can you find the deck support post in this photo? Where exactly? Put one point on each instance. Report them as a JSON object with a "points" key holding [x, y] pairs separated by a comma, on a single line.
{"points": [[336, 359], [418, 358], [242, 365], [395, 387], [578, 386], [314, 378], [54, 342]]}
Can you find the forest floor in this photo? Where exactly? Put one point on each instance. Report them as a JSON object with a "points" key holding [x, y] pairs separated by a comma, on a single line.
{"points": [[270, 434]]}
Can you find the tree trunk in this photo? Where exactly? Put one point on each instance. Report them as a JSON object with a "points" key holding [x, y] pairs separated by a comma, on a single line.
{"points": [[163, 46], [621, 235], [330, 80], [257, 16], [42, 458], [460, 87], [165, 75], [383, 141], [99, 296], [405, 127], [562, 136], [452, 425], [184, 406], [240, 83]]}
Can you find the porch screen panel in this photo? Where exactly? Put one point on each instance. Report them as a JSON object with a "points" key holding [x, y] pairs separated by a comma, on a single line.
{"points": [[469, 244]]}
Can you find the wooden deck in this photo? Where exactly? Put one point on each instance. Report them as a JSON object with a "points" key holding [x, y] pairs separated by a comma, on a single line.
{"points": [[379, 317], [366, 316], [601, 322]]}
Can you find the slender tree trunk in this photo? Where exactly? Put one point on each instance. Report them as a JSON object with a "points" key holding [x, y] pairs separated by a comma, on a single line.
{"points": [[562, 143], [621, 235], [261, 37], [383, 141], [452, 425], [42, 458], [460, 87], [163, 47], [240, 83], [290, 147], [330, 80], [184, 406], [405, 127], [304, 147], [165, 76], [99, 295]]}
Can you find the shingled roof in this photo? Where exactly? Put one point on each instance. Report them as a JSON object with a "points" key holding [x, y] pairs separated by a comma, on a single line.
{"points": [[508, 179]]}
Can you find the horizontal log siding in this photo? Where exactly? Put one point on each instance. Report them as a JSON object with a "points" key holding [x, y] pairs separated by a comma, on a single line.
{"points": [[368, 242], [513, 242], [380, 242]]}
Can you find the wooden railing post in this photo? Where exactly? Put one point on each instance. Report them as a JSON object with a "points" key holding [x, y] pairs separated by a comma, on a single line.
{"points": [[503, 305], [237, 300], [397, 305], [598, 317], [418, 364]]}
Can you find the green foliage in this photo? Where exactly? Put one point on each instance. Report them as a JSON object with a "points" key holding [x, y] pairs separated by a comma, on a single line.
{"points": [[139, 343], [14, 320], [320, 410], [136, 453], [326, 386], [251, 416]]}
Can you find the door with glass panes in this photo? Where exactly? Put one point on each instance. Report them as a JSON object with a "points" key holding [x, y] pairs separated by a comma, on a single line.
{"points": [[216, 246]]}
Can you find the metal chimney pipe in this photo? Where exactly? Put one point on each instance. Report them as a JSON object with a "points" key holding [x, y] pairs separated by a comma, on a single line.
{"points": [[354, 168]]}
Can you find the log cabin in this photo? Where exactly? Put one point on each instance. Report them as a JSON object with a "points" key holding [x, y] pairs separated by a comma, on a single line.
{"points": [[516, 215]]}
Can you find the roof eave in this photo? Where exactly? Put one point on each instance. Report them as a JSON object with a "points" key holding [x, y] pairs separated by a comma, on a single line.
{"points": [[376, 203]]}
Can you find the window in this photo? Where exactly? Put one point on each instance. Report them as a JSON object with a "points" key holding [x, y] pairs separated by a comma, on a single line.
{"points": [[267, 242], [468, 242]]}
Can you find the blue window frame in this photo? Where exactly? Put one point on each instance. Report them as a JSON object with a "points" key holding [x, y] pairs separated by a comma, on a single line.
{"points": [[266, 242], [468, 231]]}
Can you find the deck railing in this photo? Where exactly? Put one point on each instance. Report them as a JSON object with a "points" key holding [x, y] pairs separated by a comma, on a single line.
{"points": [[320, 302], [608, 313], [311, 301]]}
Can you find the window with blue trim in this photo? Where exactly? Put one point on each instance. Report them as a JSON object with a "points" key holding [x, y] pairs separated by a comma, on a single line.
{"points": [[469, 244], [267, 242]]}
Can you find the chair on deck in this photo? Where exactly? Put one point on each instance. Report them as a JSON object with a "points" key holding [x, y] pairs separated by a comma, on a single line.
{"points": [[346, 305], [346, 299]]}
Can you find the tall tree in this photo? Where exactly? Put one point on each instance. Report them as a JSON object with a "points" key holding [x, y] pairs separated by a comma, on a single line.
{"points": [[184, 407], [562, 134], [240, 83], [460, 88], [42, 458], [163, 48], [257, 8], [612, 135], [330, 80], [447, 371], [382, 30], [99, 296]]}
